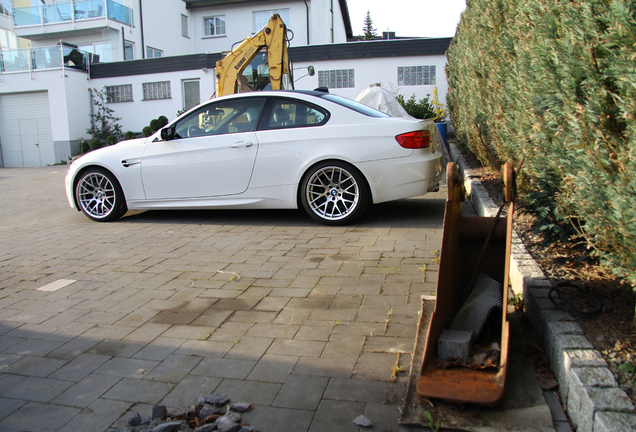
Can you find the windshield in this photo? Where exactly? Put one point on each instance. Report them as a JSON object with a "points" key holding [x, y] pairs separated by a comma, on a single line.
{"points": [[353, 105]]}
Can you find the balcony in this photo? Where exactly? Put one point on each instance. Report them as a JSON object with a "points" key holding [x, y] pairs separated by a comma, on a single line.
{"points": [[63, 56], [6, 11], [39, 22]]}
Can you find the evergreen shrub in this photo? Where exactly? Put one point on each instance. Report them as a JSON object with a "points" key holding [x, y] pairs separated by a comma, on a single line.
{"points": [[147, 131], [95, 144], [112, 139], [554, 82]]}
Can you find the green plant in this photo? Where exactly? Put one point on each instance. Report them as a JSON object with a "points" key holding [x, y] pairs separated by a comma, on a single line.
{"points": [[96, 144], [431, 425], [421, 109], [112, 139], [129, 135], [627, 368], [439, 112], [396, 368], [147, 131], [517, 301], [436, 257], [369, 31], [541, 200], [104, 122], [156, 124], [84, 146]]}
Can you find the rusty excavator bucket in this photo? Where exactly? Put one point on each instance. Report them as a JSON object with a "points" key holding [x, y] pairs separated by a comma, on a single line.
{"points": [[471, 247]]}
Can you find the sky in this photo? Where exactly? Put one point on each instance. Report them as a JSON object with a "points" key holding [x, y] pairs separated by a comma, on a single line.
{"points": [[419, 18]]}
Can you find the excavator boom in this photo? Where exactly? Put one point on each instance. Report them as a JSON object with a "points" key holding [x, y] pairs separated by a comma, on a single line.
{"points": [[273, 37]]}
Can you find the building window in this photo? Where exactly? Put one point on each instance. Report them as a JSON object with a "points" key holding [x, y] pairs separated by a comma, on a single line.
{"points": [[157, 90], [261, 18], [184, 26], [191, 94], [340, 78], [416, 75], [129, 49], [153, 52], [214, 26], [102, 51], [120, 93]]}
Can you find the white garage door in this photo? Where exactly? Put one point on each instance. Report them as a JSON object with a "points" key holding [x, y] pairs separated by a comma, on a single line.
{"points": [[25, 130]]}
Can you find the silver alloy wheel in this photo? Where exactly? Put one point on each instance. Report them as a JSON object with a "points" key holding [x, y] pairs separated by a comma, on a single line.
{"points": [[332, 193], [96, 195]]}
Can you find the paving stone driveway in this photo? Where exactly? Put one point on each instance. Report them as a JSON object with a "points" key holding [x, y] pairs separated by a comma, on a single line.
{"points": [[304, 321]]}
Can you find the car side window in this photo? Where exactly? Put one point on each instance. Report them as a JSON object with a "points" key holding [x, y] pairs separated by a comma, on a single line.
{"points": [[287, 113], [223, 117]]}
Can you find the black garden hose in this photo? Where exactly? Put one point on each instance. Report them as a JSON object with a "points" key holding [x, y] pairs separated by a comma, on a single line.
{"points": [[560, 302]]}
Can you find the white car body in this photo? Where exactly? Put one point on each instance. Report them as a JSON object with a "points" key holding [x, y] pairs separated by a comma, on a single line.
{"points": [[264, 168]]}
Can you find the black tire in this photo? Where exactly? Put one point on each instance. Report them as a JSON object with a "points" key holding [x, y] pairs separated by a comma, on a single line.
{"points": [[99, 195], [334, 193]]}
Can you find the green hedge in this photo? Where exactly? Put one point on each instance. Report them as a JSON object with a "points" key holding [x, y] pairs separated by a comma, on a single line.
{"points": [[555, 82]]}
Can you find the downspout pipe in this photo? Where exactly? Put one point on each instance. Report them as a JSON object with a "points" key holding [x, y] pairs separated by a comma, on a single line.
{"points": [[307, 7], [90, 92], [141, 28]]}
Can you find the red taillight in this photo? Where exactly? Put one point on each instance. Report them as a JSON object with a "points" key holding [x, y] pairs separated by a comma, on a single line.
{"points": [[415, 140]]}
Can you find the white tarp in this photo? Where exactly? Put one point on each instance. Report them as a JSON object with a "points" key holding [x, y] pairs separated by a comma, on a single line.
{"points": [[382, 100]]}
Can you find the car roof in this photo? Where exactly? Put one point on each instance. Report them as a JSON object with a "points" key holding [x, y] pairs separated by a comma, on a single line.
{"points": [[316, 93]]}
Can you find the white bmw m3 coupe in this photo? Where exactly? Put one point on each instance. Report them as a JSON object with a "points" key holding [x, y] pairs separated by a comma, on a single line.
{"points": [[314, 150]]}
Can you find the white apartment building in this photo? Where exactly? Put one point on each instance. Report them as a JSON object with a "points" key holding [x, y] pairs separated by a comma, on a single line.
{"points": [[157, 57]]}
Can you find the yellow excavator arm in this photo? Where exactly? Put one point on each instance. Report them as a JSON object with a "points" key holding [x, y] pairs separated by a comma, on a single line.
{"points": [[273, 37]]}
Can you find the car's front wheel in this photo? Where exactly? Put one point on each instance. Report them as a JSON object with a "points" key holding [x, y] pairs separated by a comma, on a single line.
{"points": [[334, 193], [99, 195]]}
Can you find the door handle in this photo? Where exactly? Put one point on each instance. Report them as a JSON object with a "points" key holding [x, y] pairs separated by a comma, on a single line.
{"points": [[130, 162], [239, 144]]}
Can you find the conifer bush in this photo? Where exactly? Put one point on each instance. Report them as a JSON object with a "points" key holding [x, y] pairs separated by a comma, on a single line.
{"points": [[554, 81]]}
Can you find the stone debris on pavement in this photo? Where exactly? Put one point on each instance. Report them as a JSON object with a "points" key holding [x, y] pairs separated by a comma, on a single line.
{"points": [[362, 421], [159, 412], [213, 412]]}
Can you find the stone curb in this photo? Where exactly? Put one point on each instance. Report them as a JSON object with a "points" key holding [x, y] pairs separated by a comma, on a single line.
{"points": [[594, 401]]}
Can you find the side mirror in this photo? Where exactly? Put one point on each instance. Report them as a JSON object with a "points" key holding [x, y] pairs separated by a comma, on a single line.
{"points": [[167, 133]]}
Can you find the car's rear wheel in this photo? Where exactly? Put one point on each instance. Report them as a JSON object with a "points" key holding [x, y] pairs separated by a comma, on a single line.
{"points": [[99, 195], [334, 193]]}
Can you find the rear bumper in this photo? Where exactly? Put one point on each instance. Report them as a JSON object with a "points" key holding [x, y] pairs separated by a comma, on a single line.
{"points": [[404, 177]]}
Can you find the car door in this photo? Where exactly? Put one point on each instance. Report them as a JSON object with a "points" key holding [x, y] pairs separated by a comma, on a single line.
{"points": [[211, 152], [290, 134]]}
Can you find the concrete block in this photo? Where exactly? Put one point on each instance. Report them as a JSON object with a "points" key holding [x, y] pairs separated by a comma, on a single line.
{"points": [[555, 329], [538, 291], [605, 421], [454, 344], [533, 313], [556, 315], [564, 327], [545, 303], [529, 269], [584, 402], [592, 377], [576, 359], [558, 344]]}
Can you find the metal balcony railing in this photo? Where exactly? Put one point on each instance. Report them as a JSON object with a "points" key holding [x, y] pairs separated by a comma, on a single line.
{"points": [[71, 11], [52, 57]]}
